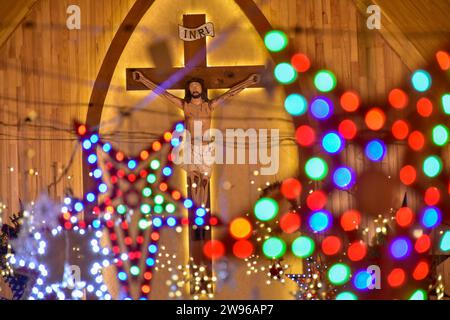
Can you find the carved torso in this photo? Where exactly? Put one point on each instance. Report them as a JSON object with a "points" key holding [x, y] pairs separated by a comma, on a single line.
{"points": [[197, 112]]}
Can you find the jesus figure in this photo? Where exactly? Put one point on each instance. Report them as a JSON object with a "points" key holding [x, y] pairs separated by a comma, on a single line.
{"points": [[197, 107]]}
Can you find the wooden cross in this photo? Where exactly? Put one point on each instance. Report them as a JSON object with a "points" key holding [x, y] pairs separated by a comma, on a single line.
{"points": [[223, 77]]}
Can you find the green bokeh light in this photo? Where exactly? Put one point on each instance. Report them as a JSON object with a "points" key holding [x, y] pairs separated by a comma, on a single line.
{"points": [[316, 168], [346, 295], [143, 224], [440, 135], [445, 242], [266, 209], [151, 178], [121, 209], [159, 199], [155, 164], [146, 208], [285, 73], [170, 208], [303, 247], [295, 104], [418, 295], [339, 274], [158, 209], [147, 192], [325, 81], [421, 80], [275, 40], [274, 248], [432, 166], [446, 103], [135, 271]]}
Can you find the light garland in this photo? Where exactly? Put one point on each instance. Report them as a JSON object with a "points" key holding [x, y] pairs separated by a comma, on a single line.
{"points": [[183, 275], [312, 284], [34, 260], [147, 179]]}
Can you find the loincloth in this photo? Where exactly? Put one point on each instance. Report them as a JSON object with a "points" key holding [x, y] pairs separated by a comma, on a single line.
{"points": [[201, 158]]}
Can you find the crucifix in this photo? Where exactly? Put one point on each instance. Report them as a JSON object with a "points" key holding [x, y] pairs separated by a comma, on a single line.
{"points": [[197, 108]]}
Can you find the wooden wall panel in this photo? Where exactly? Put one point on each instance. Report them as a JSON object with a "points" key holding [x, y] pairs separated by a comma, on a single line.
{"points": [[12, 12], [46, 74]]}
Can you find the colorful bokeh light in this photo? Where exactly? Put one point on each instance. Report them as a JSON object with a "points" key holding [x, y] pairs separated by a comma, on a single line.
{"points": [[285, 73], [350, 101], [321, 108], [344, 178], [291, 188], [325, 81], [350, 220], [431, 217], [316, 168], [274, 248], [400, 248], [375, 150], [266, 209], [240, 228], [375, 119], [440, 135], [339, 274], [300, 62], [303, 247], [332, 142], [305, 136], [275, 40], [432, 166], [320, 220], [290, 222], [331, 245], [295, 104]]}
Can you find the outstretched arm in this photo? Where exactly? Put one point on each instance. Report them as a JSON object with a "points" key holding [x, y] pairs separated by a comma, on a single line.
{"points": [[253, 79], [139, 77]]}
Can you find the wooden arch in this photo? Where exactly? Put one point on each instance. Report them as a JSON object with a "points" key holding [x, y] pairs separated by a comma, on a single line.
{"points": [[118, 44]]}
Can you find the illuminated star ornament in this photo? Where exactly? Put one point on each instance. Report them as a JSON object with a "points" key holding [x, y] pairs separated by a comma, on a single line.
{"points": [[312, 284], [126, 186], [41, 256]]}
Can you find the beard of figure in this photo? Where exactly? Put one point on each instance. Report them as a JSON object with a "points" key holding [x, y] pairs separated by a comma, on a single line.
{"points": [[196, 95]]}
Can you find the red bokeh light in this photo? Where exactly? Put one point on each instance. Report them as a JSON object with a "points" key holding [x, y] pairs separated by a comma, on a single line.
{"points": [[421, 270], [350, 101], [316, 200], [396, 277], [243, 249], [423, 244], [400, 129], [398, 98], [375, 119], [290, 222], [331, 245], [350, 220], [443, 59], [305, 136], [347, 128], [357, 251], [214, 249], [408, 175], [404, 217], [82, 130], [416, 140], [300, 62], [432, 196], [291, 188], [424, 107]]}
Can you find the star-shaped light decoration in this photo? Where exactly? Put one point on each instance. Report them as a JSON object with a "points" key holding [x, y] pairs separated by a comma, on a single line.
{"points": [[312, 284], [135, 187]]}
